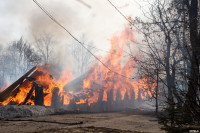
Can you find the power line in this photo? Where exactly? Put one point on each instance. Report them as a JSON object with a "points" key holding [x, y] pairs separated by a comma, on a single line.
{"points": [[84, 3], [82, 44], [107, 51], [130, 22], [120, 12]]}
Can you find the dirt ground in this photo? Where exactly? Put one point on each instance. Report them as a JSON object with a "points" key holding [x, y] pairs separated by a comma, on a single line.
{"points": [[117, 122]]}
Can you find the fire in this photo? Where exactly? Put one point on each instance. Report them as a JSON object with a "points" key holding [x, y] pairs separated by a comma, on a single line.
{"points": [[48, 83], [104, 96], [114, 85], [81, 101], [100, 85], [86, 84], [47, 80]]}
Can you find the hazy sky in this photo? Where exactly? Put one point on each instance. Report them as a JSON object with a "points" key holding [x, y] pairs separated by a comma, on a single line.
{"points": [[24, 18], [98, 23]]}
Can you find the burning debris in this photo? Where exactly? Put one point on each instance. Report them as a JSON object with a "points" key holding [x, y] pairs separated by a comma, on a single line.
{"points": [[97, 90], [36, 87]]}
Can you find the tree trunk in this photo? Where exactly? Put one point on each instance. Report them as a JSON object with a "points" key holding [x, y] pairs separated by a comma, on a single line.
{"points": [[194, 72]]}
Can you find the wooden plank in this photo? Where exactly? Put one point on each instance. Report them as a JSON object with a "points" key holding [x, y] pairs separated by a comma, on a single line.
{"points": [[11, 90]]}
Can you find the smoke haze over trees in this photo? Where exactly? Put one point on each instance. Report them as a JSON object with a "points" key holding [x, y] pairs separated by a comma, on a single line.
{"points": [[16, 59], [170, 47]]}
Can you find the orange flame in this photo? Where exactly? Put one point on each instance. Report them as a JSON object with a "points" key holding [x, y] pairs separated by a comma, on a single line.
{"points": [[108, 80], [48, 83], [101, 84]]}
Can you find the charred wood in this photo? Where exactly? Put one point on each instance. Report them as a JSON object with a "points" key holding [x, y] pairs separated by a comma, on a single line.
{"points": [[39, 95], [72, 105], [57, 99]]}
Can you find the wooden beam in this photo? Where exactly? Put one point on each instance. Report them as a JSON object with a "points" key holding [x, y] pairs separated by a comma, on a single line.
{"points": [[39, 95], [13, 89]]}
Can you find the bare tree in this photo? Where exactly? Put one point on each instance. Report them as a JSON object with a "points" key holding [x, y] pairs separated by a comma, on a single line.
{"points": [[17, 59], [170, 56], [83, 59], [45, 46]]}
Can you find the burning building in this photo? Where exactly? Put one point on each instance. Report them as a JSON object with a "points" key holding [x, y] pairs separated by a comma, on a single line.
{"points": [[97, 90]]}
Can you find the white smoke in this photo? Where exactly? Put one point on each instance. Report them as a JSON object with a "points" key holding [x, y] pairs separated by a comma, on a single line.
{"points": [[98, 23]]}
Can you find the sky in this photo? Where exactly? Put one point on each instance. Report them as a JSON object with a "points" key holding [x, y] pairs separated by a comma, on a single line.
{"points": [[98, 21]]}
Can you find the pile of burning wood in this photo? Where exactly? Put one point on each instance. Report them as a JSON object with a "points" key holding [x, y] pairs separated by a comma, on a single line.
{"points": [[33, 92]]}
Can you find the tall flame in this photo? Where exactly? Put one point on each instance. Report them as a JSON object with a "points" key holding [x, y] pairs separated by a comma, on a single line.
{"points": [[114, 83], [99, 85]]}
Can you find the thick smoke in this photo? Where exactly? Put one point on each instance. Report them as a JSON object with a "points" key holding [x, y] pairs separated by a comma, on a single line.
{"points": [[31, 23], [24, 18]]}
